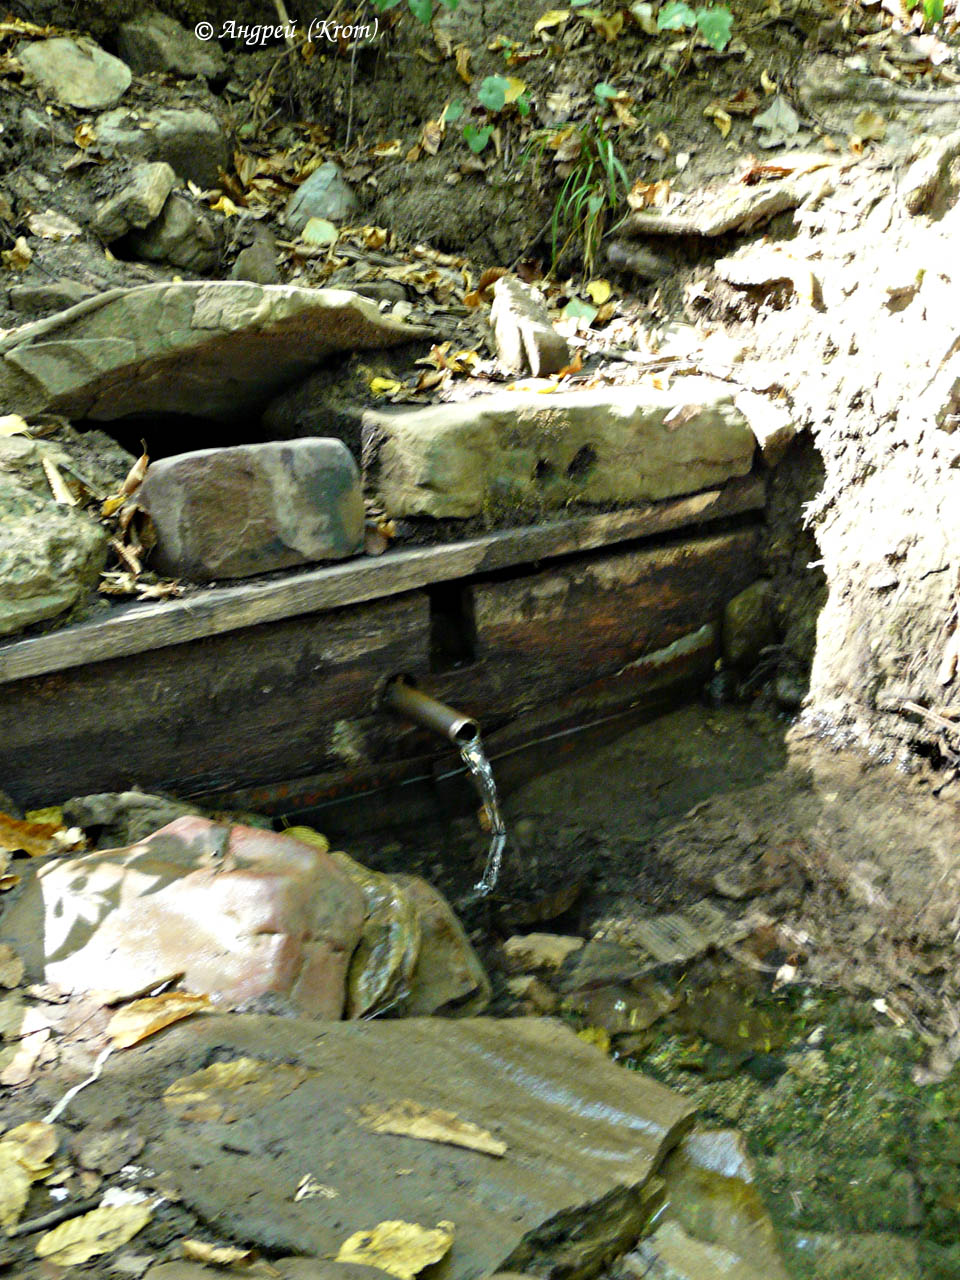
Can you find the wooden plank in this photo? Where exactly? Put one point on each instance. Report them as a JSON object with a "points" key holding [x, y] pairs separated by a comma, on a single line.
{"points": [[142, 628], [293, 697], [542, 635], [367, 797]]}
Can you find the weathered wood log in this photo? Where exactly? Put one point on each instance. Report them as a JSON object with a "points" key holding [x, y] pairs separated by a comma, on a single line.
{"points": [[143, 628]]}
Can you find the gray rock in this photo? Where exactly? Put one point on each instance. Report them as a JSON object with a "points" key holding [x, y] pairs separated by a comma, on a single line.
{"points": [[77, 73], [39, 129], [636, 259], [231, 513], [748, 624], [191, 141], [123, 817], [138, 204], [169, 348], [380, 290], [183, 235], [522, 330], [56, 296], [574, 1188], [258, 261], [325, 194], [50, 554], [519, 450], [156, 42]]}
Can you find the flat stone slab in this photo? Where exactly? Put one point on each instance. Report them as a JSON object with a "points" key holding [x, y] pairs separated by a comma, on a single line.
{"points": [[583, 1136], [208, 349], [239, 912], [513, 450], [231, 513]]}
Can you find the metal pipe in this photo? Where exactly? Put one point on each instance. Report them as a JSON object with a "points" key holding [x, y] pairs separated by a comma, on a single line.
{"points": [[402, 695]]}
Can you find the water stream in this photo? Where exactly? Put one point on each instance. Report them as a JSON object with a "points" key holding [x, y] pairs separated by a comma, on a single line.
{"points": [[475, 759]]}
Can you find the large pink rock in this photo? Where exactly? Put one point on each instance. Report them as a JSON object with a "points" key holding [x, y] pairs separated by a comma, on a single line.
{"points": [[239, 912]]}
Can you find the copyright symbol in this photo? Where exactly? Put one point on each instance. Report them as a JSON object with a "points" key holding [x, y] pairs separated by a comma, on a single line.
{"points": [[203, 31]]}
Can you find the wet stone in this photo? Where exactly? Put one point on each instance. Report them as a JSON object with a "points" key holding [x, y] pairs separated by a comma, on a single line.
{"points": [[575, 1185], [231, 513], [531, 951], [748, 624]]}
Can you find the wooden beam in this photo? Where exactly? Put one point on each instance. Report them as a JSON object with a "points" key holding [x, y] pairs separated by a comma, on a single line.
{"points": [[215, 611]]}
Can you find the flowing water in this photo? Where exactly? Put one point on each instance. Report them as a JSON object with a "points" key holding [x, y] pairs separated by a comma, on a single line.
{"points": [[475, 759]]}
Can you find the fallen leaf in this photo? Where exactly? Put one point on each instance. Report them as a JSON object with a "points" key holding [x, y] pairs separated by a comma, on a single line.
{"points": [[624, 115], [84, 135], [513, 90], [551, 19], [575, 365], [11, 424], [411, 1120], [33, 838], [220, 1091], [779, 123], [308, 1188], [33, 1144], [217, 1255], [719, 117], [225, 206], [142, 1018], [385, 386], [463, 56], [100, 1231], [400, 1248], [599, 291], [870, 125], [11, 966], [766, 84], [19, 257], [386, 150], [431, 137], [643, 195], [596, 1036], [14, 1189]]}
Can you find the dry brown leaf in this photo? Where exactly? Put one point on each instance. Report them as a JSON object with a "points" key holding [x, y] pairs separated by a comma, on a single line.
{"points": [[19, 257], [402, 1249], [624, 115], [575, 365], [214, 1092], [431, 137], [18, 1059], [100, 1231], [84, 135], [14, 1189], [142, 1018], [34, 1144], [34, 838], [767, 84], [713, 111], [411, 1120], [644, 195]]}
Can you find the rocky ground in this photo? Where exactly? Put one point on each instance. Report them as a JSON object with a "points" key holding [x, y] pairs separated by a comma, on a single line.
{"points": [[782, 226]]}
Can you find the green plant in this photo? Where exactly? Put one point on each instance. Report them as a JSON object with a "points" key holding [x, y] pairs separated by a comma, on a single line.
{"points": [[494, 93], [590, 191], [932, 10], [422, 10], [714, 22]]}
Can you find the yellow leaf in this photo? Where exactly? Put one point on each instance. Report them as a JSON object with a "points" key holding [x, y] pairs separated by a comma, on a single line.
{"points": [[597, 1036], [410, 1120], [385, 150], [226, 206], [598, 291], [19, 257], [624, 115], [513, 90], [307, 835], [11, 966], [432, 136], [719, 117], [766, 84], [400, 1248], [14, 1189], [100, 1231], [32, 1145], [463, 63], [11, 424], [552, 18], [385, 386], [142, 1018], [217, 1255]]}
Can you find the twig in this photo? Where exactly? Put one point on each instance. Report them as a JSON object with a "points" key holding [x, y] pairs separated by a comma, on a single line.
{"points": [[55, 1216]]}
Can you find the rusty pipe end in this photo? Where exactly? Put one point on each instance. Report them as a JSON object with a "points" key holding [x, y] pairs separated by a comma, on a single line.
{"points": [[402, 695]]}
